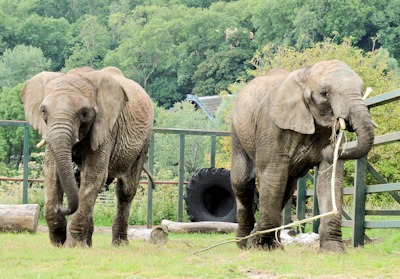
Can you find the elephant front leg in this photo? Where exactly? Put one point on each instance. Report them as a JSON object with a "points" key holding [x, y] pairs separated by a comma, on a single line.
{"points": [[53, 199], [80, 225], [55, 222], [330, 233]]}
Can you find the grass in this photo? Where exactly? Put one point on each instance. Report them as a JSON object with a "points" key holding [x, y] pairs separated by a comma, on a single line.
{"points": [[32, 256]]}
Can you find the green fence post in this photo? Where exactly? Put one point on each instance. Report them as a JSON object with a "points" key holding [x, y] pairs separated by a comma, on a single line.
{"points": [[287, 212], [213, 147], [360, 181], [26, 164], [149, 186], [181, 175], [315, 208], [301, 200]]}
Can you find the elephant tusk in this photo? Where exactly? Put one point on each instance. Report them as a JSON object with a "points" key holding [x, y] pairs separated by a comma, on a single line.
{"points": [[342, 124], [41, 143], [367, 92]]}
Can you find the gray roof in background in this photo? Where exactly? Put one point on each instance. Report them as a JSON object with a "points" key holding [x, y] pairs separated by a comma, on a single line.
{"points": [[209, 104]]}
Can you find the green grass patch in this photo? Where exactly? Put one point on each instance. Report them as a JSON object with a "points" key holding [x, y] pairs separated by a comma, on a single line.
{"points": [[32, 256]]}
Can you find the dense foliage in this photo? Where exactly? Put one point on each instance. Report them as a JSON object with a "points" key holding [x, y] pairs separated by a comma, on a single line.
{"points": [[176, 47]]}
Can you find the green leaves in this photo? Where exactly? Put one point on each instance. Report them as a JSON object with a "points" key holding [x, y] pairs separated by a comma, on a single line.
{"points": [[21, 63]]}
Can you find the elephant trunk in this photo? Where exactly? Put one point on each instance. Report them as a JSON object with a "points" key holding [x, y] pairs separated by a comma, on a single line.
{"points": [[60, 141], [360, 121]]}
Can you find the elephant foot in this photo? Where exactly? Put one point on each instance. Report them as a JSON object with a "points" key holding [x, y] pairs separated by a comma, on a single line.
{"points": [[263, 243], [71, 243], [77, 238], [58, 236], [242, 244], [332, 246], [266, 242], [119, 235], [120, 242], [243, 232]]}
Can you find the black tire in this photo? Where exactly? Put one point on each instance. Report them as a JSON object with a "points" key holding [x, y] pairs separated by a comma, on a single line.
{"points": [[209, 196]]}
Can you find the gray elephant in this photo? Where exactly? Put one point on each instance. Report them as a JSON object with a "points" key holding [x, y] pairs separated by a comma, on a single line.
{"points": [[101, 122], [281, 127]]}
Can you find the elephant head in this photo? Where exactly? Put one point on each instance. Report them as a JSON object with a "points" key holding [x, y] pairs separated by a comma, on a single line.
{"points": [[320, 95], [82, 105]]}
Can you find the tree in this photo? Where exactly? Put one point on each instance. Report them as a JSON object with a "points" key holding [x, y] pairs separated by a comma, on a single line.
{"points": [[7, 36], [161, 47], [147, 51], [51, 35], [21, 63], [389, 27], [92, 44], [218, 70], [11, 137]]}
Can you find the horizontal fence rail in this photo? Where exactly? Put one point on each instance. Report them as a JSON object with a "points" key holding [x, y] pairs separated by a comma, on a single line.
{"points": [[360, 189]]}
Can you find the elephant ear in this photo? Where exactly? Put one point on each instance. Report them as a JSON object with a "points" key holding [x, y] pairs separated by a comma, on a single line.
{"points": [[288, 108], [32, 96], [110, 101]]}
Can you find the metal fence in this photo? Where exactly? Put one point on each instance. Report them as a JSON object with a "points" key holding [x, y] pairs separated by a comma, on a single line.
{"points": [[360, 189]]}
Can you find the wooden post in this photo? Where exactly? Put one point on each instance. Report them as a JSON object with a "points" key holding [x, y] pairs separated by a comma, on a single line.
{"points": [[19, 217]]}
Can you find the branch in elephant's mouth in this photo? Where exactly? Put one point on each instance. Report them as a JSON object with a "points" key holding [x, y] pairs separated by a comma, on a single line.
{"points": [[338, 124]]}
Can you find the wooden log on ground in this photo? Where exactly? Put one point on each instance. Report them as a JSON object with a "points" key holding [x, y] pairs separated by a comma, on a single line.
{"points": [[19, 217], [199, 227], [155, 235]]}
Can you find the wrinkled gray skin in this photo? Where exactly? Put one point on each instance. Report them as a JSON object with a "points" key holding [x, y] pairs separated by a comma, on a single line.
{"points": [[101, 122], [281, 127]]}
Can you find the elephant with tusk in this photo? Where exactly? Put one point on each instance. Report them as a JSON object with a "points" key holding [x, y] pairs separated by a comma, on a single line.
{"points": [[282, 123], [101, 122]]}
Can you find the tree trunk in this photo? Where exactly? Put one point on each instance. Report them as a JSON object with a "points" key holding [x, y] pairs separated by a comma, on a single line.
{"points": [[19, 217]]}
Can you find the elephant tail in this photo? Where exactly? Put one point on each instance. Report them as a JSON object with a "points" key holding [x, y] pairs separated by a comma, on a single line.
{"points": [[153, 184]]}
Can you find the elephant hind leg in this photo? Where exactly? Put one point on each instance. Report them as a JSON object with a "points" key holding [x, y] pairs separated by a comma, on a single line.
{"points": [[245, 212], [243, 185], [125, 191]]}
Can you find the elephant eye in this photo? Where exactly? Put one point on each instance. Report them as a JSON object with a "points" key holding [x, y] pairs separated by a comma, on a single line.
{"points": [[84, 114], [324, 94], [44, 113]]}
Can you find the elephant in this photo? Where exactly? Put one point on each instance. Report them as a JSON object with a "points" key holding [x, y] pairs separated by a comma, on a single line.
{"points": [[97, 125], [282, 123]]}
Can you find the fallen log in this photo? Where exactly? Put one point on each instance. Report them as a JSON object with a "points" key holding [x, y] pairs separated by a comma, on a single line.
{"points": [[19, 217], [199, 227], [155, 235]]}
